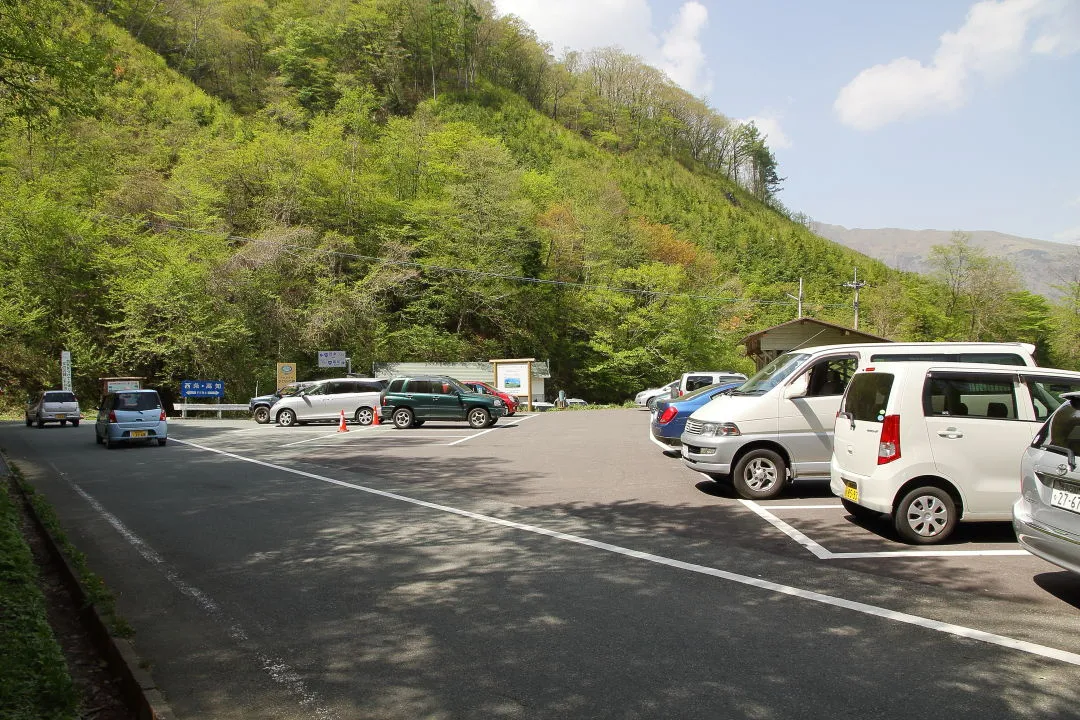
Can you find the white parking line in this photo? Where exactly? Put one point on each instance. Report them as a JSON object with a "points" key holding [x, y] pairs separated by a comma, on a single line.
{"points": [[852, 605], [485, 432], [805, 507], [791, 532], [826, 554], [336, 433]]}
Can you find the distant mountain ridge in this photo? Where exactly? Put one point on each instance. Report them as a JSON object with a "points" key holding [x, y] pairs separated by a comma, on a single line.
{"points": [[1041, 265]]}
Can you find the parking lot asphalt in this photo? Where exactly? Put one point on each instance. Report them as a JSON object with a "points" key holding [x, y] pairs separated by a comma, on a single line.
{"points": [[555, 565]]}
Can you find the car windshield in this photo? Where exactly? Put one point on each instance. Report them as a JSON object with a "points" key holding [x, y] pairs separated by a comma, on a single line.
{"points": [[137, 401], [60, 397], [772, 374], [289, 390]]}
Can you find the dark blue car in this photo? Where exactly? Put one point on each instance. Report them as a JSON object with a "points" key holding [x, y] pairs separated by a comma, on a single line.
{"points": [[669, 417]]}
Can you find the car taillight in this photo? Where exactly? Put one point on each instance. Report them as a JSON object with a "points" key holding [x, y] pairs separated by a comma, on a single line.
{"points": [[112, 416], [889, 444], [162, 416], [667, 416]]}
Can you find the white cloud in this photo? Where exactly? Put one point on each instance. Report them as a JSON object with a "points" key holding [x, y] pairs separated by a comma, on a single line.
{"points": [[990, 43], [769, 125], [628, 24]]}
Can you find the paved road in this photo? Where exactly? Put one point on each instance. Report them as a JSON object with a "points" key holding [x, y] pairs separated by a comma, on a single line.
{"points": [[557, 567]]}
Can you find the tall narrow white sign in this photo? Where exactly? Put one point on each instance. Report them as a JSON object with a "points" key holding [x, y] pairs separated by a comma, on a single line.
{"points": [[65, 370]]}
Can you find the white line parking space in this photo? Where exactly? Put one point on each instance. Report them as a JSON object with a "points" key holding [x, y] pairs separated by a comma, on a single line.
{"points": [[824, 553], [493, 429], [726, 575]]}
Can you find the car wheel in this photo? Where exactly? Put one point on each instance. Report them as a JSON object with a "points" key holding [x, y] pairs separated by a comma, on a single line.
{"points": [[925, 515], [479, 418], [109, 444], [403, 418], [492, 421], [40, 422], [857, 511], [417, 423], [364, 416], [74, 423], [286, 418], [651, 403], [262, 415], [97, 438], [29, 422], [162, 441], [63, 423], [760, 475]]}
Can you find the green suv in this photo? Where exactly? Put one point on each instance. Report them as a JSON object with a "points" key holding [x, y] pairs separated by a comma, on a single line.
{"points": [[410, 401]]}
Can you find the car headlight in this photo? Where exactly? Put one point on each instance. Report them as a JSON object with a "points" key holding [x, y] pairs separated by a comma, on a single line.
{"points": [[720, 429], [498, 402]]}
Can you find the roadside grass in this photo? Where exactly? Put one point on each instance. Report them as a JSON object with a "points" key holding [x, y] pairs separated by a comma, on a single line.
{"points": [[34, 679], [94, 587]]}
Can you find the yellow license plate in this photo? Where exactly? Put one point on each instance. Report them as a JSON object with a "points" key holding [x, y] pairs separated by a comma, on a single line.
{"points": [[60, 416], [851, 493], [138, 433]]}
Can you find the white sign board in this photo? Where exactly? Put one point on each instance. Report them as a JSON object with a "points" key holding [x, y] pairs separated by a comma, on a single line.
{"points": [[121, 385], [65, 370], [332, 358], [513, 378]]}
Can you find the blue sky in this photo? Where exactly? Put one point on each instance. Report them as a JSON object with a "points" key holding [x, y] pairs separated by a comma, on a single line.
{"points": [[942, 114]]}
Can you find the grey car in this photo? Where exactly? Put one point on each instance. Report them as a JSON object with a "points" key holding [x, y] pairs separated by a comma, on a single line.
{"points": [[53, 406], [1047, 515]]}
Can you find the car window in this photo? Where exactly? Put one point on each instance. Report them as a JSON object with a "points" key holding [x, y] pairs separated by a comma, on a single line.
{"points": [[369, 386], [289, 390], [984, 357], [1062, 433], [421, 386], [137, 401], [970, 394], [397, 385], [868, 396], [831, 376], [695, 382], [320, 389], [61, 396], [340, 387], [1046, 392]]}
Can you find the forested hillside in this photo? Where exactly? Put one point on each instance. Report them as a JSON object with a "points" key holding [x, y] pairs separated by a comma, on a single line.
{"points": [[202, 189]]}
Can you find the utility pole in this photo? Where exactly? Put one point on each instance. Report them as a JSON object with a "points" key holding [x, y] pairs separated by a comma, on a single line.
{"points": [[799, 299], [856, 285]]}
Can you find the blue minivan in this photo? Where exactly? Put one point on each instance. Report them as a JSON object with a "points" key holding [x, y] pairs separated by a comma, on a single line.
{"points": [[131, 415]]}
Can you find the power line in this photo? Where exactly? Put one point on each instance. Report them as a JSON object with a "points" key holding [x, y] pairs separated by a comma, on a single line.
{"points": [[480, 273]]}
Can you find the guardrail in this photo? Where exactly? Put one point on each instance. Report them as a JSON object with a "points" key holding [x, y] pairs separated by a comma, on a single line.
{"points": [[219, 407]]}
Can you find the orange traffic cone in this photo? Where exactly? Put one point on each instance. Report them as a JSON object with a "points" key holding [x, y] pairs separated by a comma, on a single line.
{"points": [[375, 417], [341, 425]]}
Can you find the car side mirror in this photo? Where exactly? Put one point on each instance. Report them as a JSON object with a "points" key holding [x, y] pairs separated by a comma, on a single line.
{"points": [[798, 387]]}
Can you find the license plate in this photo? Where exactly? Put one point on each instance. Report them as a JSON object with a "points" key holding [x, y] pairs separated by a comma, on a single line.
{"points": [[1065, 496], [851, 491], [60, 416], [138, 433]]}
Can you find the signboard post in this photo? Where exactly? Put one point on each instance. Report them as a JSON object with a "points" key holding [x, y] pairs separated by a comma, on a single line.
{"points": [[334, 358], [201, 388], [65, 370], [286, 373], [514, 377]]}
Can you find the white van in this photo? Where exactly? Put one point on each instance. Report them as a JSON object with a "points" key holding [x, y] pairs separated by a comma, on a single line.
{"points": [[778, 425], [358, 398], [931, 444]]}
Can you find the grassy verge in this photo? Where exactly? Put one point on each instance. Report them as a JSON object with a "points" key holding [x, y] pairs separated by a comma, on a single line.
{"points": [[94, 587], [34, 679]]}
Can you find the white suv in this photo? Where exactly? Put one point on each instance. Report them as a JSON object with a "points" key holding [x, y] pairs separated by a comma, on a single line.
{"points": [[931, 445]]}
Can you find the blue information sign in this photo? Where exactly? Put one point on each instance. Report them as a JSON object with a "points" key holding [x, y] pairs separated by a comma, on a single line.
{"points": [[202, 388]]}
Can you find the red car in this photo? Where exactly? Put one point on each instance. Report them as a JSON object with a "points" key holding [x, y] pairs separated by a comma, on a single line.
{"points": [[484, 389]]}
